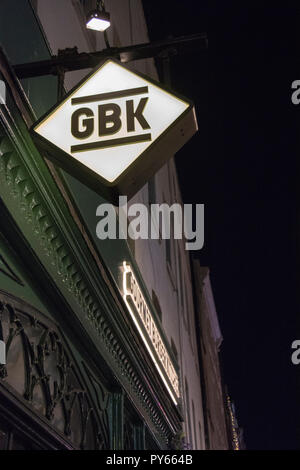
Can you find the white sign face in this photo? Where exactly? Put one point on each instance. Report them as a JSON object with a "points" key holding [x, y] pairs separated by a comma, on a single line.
{"points": [[111, 119], [141, 315]]}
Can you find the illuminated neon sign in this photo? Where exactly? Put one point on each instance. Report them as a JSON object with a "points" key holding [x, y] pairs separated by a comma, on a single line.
{"points": [[144, 322]]}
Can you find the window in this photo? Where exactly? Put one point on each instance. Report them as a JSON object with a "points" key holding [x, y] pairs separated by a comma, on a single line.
{"points": [[187, 309], [194, 425], [168, 250], [172, 182], [200, 432], [169, 241], [183, 295], [210, 421], [188, 412], [174, 349], [152, 191], [180, 281], [174, 189], [156, 304], [170, 255]]}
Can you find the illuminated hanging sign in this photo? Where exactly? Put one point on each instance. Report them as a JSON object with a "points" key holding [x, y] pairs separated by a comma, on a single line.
{"points": [[148, 330], [115, 129]]}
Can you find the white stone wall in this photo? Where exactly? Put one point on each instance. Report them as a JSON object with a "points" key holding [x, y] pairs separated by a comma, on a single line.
{"points": [[63, 24]]}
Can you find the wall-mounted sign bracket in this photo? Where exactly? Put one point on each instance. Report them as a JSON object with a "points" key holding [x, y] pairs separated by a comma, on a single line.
{"points": [[70, 59]]}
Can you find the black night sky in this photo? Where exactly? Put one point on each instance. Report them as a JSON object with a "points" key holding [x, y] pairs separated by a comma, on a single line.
{"points": [[243, 165]]}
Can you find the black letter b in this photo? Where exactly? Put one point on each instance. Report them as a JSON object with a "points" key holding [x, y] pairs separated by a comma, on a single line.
{"points": [[113, 117]]}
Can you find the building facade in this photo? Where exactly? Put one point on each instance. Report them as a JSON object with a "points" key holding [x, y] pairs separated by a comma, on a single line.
{"points": [[78, 373], [218, 435], [235, 432]]}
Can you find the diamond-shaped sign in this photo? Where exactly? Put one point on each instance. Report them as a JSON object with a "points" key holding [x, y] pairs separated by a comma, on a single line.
{"points": [[115, 129]]}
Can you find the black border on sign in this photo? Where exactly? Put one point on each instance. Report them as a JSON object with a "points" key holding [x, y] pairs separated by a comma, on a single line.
{"points": [[133, 173]]}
